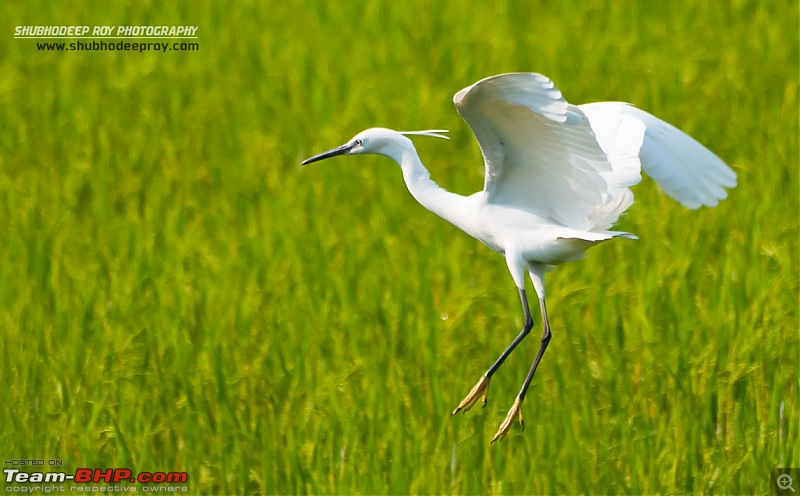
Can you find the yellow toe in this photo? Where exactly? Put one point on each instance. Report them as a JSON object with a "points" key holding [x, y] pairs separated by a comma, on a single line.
{"points": [[479, 391], [516, 411]]}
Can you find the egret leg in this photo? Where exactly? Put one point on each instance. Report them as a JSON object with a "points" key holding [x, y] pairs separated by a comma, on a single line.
{"points": [[516, 408], [482, 387]]}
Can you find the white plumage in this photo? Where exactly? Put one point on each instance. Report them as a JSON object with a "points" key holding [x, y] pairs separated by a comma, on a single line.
{"points": [[558, 176]]}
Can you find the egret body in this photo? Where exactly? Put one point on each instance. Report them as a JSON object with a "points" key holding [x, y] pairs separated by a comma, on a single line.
{"points": [[557, 178]]}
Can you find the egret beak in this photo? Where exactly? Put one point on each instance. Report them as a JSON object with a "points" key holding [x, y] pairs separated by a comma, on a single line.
{"points": [[339, 150]]}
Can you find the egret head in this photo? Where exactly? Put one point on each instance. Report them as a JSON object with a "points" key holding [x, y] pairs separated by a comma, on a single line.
{"points": [[377, 140]]}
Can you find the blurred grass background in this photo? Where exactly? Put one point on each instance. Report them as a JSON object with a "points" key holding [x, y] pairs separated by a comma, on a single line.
{"points": [[179, 295]]}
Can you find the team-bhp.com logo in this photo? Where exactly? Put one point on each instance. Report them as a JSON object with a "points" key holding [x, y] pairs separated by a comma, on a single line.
{"points": [[116, 476]]}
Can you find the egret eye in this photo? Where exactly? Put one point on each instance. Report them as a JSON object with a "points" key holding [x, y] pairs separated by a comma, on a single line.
{"points": [[359, 143]]}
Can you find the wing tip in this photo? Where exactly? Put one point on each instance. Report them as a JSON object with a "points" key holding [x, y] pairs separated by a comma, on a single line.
{"points": [[624, 235]]}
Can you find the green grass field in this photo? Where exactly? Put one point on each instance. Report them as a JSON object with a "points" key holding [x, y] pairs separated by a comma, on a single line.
{"points": [[178, 294]]}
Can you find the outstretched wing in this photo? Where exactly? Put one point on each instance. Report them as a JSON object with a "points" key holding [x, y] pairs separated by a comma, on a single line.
{"points": [[541, 154], [686, 170]]}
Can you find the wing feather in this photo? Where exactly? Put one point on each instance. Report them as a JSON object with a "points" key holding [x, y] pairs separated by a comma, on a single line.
{"points": [[540, 152], [686, 170], [576, 164]]}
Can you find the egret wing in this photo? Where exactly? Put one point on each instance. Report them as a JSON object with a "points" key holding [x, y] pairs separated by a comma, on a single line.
{"points": [[686, 170], [540, 152]]}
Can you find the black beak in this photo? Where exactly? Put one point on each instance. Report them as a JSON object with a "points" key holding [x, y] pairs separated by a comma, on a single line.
{"points": [[339, 150]]}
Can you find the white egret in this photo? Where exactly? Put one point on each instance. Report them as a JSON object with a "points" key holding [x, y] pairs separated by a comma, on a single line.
{"points": [[557, 178]]}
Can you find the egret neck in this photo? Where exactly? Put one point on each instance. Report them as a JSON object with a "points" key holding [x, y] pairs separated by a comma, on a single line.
{"points": [[452, 207]]}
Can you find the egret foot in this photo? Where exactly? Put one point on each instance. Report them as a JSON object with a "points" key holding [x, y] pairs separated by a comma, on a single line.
{"points": [[480, 389], [516, 411]]}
